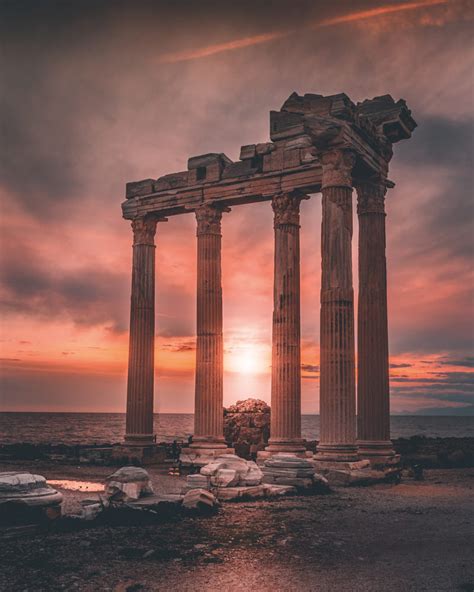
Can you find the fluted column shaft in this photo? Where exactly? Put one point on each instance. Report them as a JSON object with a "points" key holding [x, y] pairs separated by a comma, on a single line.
{"points": [[337, 358], [208, 412], [373, 419], [141, 366], [285, 427]]}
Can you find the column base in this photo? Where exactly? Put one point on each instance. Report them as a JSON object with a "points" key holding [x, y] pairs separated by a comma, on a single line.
{"points": [[337, 453], [380, 453], [296, 445], [140, 439]]}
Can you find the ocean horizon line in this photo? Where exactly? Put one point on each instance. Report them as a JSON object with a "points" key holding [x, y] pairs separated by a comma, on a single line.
{"points": [[470, 414]]}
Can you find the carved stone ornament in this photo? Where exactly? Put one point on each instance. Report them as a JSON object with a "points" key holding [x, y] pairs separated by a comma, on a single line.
{"points": [[337, 168], [208, 219], [144, 230], [286, 207], [371, 196]]}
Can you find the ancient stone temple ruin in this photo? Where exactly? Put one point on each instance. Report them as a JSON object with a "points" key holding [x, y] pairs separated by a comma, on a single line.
{"points": [[319, 144]]}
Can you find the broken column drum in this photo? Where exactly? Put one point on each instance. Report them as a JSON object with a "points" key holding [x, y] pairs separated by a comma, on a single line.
{"points": [[318, 144]]}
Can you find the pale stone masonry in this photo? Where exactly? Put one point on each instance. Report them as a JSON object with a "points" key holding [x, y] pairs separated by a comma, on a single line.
{"points": [[318, 144]]}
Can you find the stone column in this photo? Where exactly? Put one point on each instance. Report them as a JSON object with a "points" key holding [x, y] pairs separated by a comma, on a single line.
{"points": [[141, 367], [337, 360], [373, 412], [208, 412], [285, 431]]}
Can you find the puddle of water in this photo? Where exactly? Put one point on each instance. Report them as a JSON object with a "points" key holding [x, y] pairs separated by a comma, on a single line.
{"points": [[76, 485]]}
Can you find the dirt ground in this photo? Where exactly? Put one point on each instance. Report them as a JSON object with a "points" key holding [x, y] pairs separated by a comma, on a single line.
{"points": [[413, 537]]}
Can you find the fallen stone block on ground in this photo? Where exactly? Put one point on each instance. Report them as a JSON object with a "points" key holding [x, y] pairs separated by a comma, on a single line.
{"points": [[127, 484], [287, 469], [200, 500]]}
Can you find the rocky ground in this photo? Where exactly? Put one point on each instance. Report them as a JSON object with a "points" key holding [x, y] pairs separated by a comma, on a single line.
{"points": [[416, 536]]}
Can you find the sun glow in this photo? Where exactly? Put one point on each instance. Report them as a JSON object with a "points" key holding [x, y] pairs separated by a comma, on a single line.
{"points": [[248, 359]]}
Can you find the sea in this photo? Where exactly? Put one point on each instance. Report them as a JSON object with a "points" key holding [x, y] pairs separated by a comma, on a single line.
{"points": [[108, 428]]}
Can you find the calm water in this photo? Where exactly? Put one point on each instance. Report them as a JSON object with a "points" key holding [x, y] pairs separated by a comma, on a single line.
{"points": [[89, 428]]}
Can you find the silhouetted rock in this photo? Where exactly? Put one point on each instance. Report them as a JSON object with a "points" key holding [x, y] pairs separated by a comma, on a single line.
{"points": [[247, 426]]}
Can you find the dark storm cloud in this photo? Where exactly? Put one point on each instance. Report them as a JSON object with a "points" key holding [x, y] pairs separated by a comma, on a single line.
{"points": [[89, 296], [401, 365], [439, 141], [442, 380], [443, 144], [186, 346], [467, 362], [310, 368]]}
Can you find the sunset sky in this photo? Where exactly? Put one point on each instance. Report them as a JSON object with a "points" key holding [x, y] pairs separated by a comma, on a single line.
{"points": [[98, 93]]}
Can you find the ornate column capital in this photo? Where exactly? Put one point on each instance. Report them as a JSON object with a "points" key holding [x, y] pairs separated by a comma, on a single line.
{"points": [[208, 217], [286, 207], [144, 230], [337, 168], [371, 195]]}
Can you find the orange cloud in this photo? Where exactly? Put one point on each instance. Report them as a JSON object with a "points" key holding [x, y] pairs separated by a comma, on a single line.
{"points": [[374, 12], [183, 56]]}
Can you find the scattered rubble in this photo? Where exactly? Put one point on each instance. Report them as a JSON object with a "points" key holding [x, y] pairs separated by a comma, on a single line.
{"points": [[290, 470], [232, 478]]}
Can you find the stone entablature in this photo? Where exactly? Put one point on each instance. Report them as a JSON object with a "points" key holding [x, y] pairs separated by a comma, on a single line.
{"points": [[304, 128]]}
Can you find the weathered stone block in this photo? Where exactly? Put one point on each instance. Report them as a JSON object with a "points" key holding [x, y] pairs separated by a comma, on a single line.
{"points": [[248, 151], [199, 500], [285, 125], [204, 160], [265, 148], [291, 158], [128, 483], [225, 478], [239, 169], [136, 188], [171, 181], [273, 161]]}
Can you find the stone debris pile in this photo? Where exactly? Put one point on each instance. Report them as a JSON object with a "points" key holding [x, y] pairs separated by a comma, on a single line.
{"points": [[233, 478], [290, 470], [25, 497]]}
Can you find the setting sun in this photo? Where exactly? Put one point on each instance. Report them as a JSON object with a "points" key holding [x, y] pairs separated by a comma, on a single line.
{"points": [[248, 359]]}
